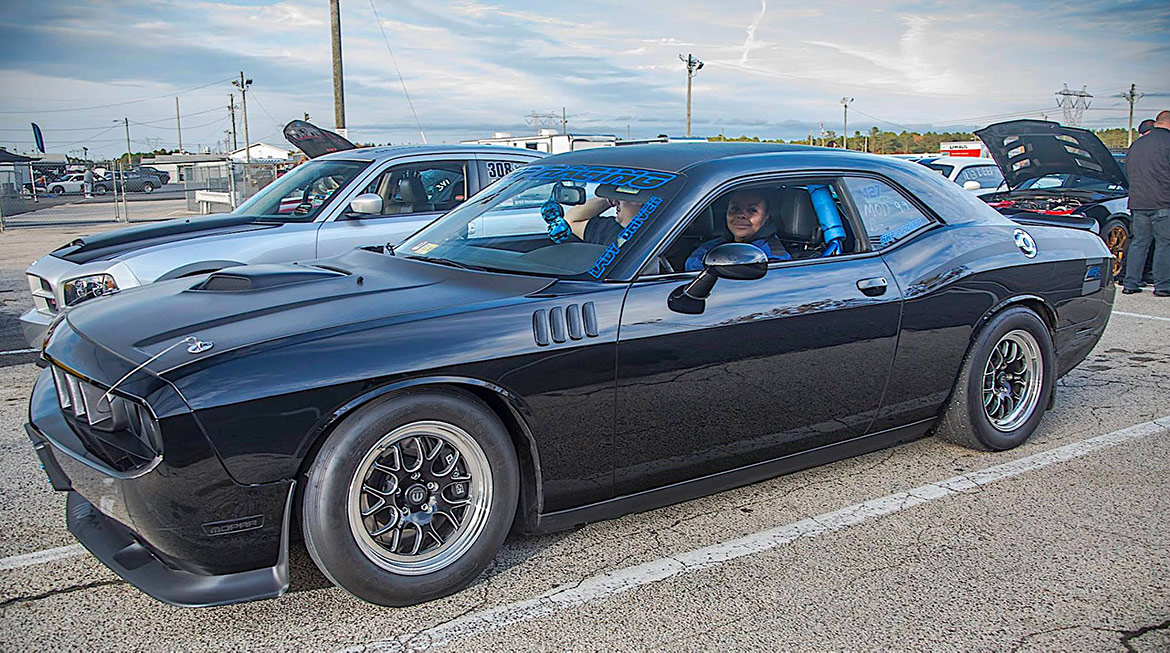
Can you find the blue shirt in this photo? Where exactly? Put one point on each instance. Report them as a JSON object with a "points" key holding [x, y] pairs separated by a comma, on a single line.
{"points": [[774, 250]]}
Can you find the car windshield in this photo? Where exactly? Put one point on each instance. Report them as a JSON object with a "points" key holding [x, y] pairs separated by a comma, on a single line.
{"points": [[1067, 181], [300, 195], [521, 224]]}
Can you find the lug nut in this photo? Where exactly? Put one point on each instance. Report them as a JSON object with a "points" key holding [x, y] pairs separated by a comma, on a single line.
{"points": [[432, 486]]}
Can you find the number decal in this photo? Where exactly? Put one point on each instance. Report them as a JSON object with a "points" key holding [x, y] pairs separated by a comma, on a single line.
{"points": [[498, 169]]}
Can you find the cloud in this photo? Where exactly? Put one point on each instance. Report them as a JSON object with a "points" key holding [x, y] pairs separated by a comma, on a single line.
{"points": [[750, 41]]}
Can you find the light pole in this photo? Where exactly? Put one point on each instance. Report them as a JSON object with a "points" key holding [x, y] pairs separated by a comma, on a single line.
{"points": [[845, 128], [693, 66], [243, 85]]}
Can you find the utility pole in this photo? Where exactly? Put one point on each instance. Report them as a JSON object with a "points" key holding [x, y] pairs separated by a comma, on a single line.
{"points": [[1132, 96], [232, 110], [693, 67], [564, 122], [338, 83], [845, 129], [178, 125], [126, 122], [243, 85]]}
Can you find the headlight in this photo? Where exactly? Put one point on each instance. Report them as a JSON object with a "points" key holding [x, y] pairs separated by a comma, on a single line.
{"points": [[83, 288]]}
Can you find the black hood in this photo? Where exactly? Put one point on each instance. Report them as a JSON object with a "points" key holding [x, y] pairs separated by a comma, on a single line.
{"points": [[1027, 149], [239, 308], [113, 243], [314, 141]]}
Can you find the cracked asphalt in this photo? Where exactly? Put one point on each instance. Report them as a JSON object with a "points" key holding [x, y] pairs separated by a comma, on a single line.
{"points": [[1074, 556]]}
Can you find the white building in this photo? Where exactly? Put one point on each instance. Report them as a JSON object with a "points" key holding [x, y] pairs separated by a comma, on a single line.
{"points": [[261, 152], [548, 140]]}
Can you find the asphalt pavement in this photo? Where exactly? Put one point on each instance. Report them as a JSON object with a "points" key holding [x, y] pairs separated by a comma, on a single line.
{"points": [[1061, 544]]}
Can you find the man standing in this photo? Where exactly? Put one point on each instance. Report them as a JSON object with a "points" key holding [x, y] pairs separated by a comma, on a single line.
{"points": [[87, 181], [1148, 165]]}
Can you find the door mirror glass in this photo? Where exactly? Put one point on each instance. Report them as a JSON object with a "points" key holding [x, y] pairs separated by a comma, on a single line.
{"points": [[366, 204]]}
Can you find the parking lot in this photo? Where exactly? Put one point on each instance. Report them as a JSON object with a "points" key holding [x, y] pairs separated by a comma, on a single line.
{"points": [[1061, 544]]}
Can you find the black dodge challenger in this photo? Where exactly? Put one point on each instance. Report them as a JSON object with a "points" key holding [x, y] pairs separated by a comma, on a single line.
{"points": [[600, 332]]}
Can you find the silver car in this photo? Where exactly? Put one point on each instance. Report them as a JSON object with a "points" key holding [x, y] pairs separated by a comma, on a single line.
{"points": [[354, 198]]}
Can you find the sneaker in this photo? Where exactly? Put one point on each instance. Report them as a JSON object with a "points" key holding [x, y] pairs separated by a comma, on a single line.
{"points": [[1130, 291]]}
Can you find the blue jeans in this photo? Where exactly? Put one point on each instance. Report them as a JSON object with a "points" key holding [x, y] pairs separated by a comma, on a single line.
{"points": [[1150, 227]]}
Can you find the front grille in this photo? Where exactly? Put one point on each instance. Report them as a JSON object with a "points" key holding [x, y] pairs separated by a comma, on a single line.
{"points": [[119, 432], [42, 291]]}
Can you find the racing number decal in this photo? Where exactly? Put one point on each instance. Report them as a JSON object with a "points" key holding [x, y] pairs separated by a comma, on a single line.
{"points": [[498, 169]]}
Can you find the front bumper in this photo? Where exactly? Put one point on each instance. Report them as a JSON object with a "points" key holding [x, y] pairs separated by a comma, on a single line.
{"points": [[34, 323], [184, 533]]}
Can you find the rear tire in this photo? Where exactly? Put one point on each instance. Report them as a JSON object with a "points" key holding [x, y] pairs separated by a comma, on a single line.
{"points": [[147, 187], [411, 497], [100, 190], [1006, 381]]}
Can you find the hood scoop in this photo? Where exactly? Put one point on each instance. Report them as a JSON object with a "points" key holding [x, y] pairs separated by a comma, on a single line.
{"points": [[259, 277]]}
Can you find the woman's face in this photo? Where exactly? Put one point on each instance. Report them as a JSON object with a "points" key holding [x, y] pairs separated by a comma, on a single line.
{"points": [[747, 211]]}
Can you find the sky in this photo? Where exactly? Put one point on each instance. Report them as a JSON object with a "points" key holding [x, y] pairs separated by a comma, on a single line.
{"points": [[473, 67]]}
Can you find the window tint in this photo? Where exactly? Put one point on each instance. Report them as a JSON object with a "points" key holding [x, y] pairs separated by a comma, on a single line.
{"points": [[421, 188], [887, 215], [987, 176]]}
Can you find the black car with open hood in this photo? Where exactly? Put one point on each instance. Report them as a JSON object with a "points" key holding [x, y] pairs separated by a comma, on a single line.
{"points": [[1060, 175], [597, 333]]}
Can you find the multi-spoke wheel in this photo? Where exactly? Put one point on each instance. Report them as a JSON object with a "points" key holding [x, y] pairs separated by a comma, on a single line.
{"points": [[410, 498], [1006, 380], [1115, 233]]}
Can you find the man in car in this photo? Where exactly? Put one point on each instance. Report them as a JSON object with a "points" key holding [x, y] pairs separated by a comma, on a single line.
{"points": [[590, 226], [1148, 165]]}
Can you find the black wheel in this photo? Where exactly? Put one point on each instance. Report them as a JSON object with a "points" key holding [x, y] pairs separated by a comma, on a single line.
{"points": [[1116, 235], [57, 190], [99, 189], [1004, 385], [411, 498], [147, 187]]}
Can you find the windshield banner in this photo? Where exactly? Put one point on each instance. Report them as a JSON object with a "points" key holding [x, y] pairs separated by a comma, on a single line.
{"points": [[627, 177]]}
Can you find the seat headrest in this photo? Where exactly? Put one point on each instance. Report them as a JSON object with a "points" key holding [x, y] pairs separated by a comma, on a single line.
{"points": [[796, 218], [411, 191]]}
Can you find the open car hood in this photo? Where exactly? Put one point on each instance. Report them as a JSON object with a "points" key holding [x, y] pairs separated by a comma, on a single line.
{"points": [[1027, 149], [314, 141]]}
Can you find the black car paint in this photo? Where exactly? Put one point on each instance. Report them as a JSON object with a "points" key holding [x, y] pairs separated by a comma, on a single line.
{"points": [[603, 425]]}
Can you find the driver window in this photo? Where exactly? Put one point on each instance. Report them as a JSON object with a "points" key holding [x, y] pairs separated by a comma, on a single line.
{"points": [[420, 188], [790, 220]]}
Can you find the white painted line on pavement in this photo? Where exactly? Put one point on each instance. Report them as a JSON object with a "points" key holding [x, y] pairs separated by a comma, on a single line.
{"points": [[41, 557], [1148, 317], [17, 351], [608, 584]]}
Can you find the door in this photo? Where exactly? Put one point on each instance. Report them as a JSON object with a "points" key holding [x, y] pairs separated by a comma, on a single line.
{"points": [[413, 194], [795, 360]]}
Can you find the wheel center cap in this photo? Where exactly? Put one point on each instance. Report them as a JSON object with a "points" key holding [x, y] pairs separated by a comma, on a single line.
{"points": [[417, 494]]}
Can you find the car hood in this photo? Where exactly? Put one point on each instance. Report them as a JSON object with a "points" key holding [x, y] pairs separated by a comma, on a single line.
{"points": [[172, 324], [114, 243], [1027, 149]]}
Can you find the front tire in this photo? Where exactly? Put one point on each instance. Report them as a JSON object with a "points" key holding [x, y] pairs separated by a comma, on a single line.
{"points": [[100, 190], [1116, 235], [57, 190], [1005, 384], [411, 497]]}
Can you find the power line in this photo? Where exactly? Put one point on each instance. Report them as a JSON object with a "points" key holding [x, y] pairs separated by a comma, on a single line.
{"points": [[399, 71], [119, 104]]}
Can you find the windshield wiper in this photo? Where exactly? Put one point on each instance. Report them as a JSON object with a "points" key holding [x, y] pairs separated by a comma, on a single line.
{"points": [[449, 262]]}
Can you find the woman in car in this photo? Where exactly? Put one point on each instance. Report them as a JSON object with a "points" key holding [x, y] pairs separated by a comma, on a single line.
{"points": [[749, 220]]}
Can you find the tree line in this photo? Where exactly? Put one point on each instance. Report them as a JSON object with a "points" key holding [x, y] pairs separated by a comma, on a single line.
{"points": [[904, 142]]}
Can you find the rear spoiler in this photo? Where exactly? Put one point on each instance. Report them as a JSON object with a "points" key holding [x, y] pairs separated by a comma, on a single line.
{"points": [[1066, 221], [314, 141]]}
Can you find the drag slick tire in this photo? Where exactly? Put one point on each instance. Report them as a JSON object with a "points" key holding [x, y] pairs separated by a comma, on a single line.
{"points": [[411, 497], [1004, 386]]}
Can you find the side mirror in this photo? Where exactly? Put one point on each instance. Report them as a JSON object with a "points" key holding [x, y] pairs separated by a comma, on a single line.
{"points": [[569, 195], [739, 261], [971, 184], [366, 204]]}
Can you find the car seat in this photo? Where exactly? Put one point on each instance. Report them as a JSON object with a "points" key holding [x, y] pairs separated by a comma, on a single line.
{"points": [[797, 224]]}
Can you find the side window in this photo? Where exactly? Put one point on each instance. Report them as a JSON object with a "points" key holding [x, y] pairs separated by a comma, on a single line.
{"points": [[887, 215], [421, 187], [792, 219], [985, 176]]}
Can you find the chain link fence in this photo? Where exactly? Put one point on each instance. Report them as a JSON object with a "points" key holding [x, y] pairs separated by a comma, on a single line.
{"points": [[46, 194]]}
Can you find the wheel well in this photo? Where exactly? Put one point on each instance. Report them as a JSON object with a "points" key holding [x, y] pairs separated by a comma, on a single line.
{"points": [[529, 505]]}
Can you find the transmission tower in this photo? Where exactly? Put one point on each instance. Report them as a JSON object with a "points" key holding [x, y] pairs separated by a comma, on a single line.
{"points": [[542, 120], [1073, 103]]}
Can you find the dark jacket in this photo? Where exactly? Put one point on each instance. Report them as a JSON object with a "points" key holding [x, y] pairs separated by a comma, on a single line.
{"points": [[1147, 163]]}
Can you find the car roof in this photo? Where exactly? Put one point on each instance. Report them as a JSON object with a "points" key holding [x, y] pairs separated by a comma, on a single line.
{"points": [[677, 157], [386, 152]]}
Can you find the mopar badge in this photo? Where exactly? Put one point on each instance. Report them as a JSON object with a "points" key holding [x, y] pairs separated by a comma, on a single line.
{"points": [[197, 346], [1025, 243]]}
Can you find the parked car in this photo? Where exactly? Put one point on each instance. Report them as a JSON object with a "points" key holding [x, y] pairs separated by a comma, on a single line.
{"points": [[975, 174], [70, 183], [408, 407], [134, 182], [1056, 172], [163, 176], [313, 211]]}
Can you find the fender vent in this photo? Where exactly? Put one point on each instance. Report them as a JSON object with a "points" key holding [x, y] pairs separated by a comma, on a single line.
{"points": [[561, 323]]}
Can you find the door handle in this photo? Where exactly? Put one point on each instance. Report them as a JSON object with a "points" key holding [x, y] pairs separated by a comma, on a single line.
{"points": [[872, 287]]}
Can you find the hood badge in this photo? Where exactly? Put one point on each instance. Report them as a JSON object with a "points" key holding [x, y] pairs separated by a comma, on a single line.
{"points": [[197, 346], [1025, 242]]}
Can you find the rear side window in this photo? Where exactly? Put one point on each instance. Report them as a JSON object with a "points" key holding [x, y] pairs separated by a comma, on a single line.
{"points": [[887, 215]]}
